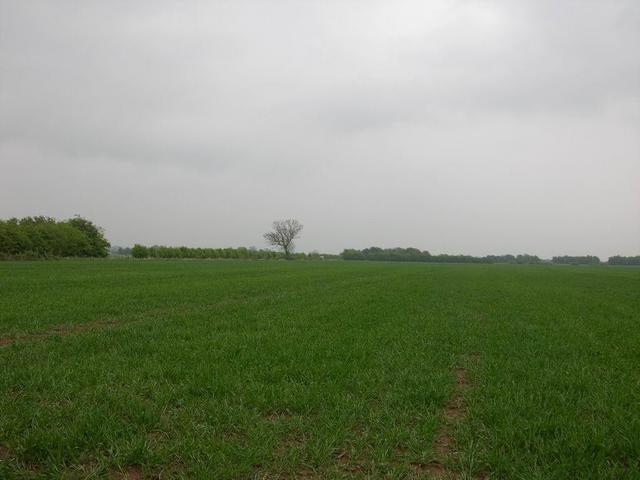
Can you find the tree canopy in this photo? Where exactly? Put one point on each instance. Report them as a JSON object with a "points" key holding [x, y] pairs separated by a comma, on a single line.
{"points": [[45, 237]]}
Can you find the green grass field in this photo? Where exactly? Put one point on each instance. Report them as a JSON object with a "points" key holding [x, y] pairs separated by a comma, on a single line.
{"points": [[225, 370]]}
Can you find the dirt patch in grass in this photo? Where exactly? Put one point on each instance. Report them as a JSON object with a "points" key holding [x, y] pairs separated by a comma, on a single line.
{"points": [[105, 323], [81, 327], [298, 473], [455, 408], [434, 470], [454, 412], [305, 473], [349, 465], [275, 415], [59, 330], [5, 453], [291, 441], [133, 472]]}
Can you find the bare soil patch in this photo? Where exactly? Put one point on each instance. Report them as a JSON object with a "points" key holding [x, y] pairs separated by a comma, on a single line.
{"points": [[434, 470], [294, 440], [5, 453], [59, 330], [346, 463], [133, 472], [276, 415], [454, 411], [305, 473]]}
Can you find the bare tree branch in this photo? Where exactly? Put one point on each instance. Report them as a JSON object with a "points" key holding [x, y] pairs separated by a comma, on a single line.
{"points": [[283, 234]]}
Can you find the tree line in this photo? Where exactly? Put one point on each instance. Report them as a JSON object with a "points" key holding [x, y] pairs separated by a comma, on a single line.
{"points": [[159, 251], [45, 237], [579, 260], [415, 255], [619, 260]]}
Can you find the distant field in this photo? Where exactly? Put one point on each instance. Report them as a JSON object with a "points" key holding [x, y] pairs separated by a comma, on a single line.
{"points": [[259, 369]]}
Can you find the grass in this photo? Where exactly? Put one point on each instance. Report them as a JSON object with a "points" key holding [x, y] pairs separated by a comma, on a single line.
{"points": [[231, 369]]}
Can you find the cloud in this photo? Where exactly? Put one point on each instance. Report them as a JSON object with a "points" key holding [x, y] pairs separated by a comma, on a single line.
{"points": [[460, 110]]}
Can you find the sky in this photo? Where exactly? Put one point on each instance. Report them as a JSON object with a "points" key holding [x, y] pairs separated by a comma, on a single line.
{"points": [[457, 126]]}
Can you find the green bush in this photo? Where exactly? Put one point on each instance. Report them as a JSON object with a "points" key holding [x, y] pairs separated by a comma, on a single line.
{"points": [[44, 237]]}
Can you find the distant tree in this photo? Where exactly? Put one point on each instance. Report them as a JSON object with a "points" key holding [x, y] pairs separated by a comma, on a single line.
{"points": [[283, 234], [98, 245], [139, 251]]}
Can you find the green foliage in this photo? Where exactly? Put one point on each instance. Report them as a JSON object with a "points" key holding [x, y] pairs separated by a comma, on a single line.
{"points": [[159, 251], [415, 255], [44, 237], [139, 251], [98, 245]]}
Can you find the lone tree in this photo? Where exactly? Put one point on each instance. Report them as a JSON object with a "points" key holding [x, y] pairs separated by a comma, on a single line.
{"points": [[283, 234]]}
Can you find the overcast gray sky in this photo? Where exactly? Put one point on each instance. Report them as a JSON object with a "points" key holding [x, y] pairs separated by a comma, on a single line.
{"points": [[455, 126]]}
